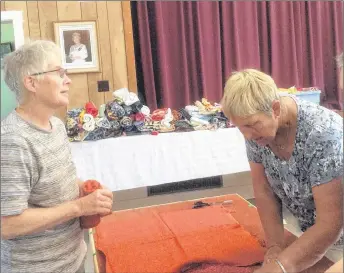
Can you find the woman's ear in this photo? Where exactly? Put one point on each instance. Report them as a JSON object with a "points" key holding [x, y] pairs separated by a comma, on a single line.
{"points": [[30, 83], [276, 108]]}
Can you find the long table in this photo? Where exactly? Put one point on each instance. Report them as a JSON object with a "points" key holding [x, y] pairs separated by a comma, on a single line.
{"points": [[147, 160]]}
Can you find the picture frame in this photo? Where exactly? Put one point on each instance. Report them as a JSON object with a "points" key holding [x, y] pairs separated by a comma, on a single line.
{"points": [[78, 41]]}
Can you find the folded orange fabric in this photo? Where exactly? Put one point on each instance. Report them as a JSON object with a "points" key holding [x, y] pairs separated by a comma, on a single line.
{"points": [[155, 257], [148, 241], [212, 233], [131, 226]]}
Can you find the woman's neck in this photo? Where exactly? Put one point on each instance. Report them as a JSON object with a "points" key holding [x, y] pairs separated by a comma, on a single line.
{"points": [[288, 115], [36, 114]]}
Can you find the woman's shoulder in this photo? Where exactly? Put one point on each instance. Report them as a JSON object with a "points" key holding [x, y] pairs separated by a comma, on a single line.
{"points": [[319, 124]]}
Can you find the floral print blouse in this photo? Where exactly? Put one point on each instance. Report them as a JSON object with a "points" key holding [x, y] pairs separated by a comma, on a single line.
{"points": [[317, 158]]}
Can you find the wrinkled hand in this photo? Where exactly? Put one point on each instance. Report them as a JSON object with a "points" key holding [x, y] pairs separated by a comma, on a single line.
{"points": [[97, 202], [272, 254], [106, 188]]}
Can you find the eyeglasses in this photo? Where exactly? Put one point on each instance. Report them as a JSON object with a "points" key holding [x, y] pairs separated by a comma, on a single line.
{"points": [[62, 72]]}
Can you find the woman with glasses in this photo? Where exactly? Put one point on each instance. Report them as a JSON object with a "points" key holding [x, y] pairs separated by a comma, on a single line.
{"points": [[295, 151], [41, 201]]}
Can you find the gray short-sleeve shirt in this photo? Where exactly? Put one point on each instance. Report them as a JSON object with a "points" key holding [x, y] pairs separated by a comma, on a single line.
{"points": [[317, 158], [37, 171]]}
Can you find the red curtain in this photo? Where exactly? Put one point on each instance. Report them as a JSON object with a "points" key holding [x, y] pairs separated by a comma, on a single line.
{"points": [[187, 50]]}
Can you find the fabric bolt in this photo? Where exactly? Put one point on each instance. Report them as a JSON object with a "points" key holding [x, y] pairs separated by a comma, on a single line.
{"points": [[114, 111], [127, 123], [145, 110], [128, 110], [103, 123], [317, 159], [74, 113], [183, 126], [185, 114], [89, 123], [137, 106], [158, 114], [98, 134], [91, 109], [128, 98]]}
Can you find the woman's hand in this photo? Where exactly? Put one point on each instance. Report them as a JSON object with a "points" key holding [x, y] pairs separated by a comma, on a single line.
{"points": [[97, 202], [106, 188], [272, 254]]}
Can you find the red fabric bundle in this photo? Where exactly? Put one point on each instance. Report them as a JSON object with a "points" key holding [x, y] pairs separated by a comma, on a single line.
{"points": [[91, 109], [90, 221], [159, 114], [139, 117]]}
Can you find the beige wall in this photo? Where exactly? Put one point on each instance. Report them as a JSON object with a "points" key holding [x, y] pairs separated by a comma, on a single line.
{"points": [[115, 42]]}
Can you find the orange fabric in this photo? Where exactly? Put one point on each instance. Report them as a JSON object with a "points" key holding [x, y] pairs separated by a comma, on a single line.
{"points": [[128, 226], [89, 221], [148, 241], [212, 233]]}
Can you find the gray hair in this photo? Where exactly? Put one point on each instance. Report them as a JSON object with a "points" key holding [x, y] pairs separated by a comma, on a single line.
{"points": [[339, 60], [32, 57]]}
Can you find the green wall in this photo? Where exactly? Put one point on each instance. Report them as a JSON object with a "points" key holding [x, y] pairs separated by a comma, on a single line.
{"points": [[8, 99]]}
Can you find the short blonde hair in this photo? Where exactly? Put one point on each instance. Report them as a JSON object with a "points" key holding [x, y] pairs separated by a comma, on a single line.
{"points": [[249, 92], [32, 57]]}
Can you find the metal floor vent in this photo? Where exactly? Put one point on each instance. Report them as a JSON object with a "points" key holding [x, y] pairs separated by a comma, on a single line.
{"points": [[188, 185]]}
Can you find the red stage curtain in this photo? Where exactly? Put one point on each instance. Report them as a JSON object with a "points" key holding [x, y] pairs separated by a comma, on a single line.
{"points": [[186, 50]]}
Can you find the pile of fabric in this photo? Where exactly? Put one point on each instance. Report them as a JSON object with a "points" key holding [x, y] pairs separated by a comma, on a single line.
{"points": [[126, 115]]}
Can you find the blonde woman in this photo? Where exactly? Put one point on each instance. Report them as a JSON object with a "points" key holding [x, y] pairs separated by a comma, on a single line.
{"points": [[295, 151]]}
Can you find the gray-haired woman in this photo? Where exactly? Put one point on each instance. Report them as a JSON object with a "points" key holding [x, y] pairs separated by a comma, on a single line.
{"points": [[40, 196], [295, 151]]}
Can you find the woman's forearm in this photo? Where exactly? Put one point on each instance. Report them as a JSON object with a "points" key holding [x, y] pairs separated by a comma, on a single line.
{"points": [[34, 220], [310, 247], [270, 213]]}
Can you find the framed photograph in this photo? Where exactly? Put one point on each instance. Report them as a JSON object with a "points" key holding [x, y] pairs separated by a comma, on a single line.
{"points": [[79, 45]]}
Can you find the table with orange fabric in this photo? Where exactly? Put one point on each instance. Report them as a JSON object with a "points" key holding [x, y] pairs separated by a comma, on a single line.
{"points": [[162, 238]]}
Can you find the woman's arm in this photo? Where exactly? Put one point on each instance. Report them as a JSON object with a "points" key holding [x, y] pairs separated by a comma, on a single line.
{"points": [[269, 207], [313, 244], [34, 220]]}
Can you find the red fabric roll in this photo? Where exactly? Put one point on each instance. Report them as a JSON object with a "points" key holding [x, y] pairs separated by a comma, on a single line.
{"points": [[90, 221], [91, 109]]}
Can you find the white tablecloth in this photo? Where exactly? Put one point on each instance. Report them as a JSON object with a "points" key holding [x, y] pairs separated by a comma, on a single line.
{"points": [[147, 160]]}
